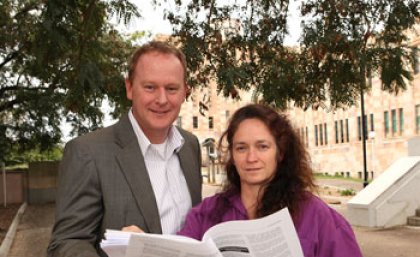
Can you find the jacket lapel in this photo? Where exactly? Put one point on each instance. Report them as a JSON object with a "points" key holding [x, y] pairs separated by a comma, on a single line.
{"points": [[134, 169], [191, 169]]}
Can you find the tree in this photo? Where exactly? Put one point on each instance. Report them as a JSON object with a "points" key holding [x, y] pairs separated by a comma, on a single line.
{"points": [[241, 44], [59, 59], [346, 42]]}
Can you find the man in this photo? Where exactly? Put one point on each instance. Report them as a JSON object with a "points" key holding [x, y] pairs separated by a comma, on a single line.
{"points": [[142, 170]]}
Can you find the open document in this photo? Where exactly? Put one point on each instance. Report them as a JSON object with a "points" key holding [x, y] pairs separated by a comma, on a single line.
{"points": [[273, 236]]}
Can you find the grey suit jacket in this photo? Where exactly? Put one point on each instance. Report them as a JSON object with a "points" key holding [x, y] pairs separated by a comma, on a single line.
{"points": [[104, 184]]}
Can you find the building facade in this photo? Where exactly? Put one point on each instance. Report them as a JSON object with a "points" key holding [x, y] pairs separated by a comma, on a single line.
{"points": [[205, 113], [332, 137]]}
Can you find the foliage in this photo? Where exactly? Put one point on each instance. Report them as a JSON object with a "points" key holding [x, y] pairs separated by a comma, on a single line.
{"points": [[347, 192], [58, 59], [15, 158], [241, 44], [336, 176]]}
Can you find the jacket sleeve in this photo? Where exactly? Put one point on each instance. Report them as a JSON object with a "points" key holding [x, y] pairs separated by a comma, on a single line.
{"points": [[79, 207], [193, 224], [337, 238]]}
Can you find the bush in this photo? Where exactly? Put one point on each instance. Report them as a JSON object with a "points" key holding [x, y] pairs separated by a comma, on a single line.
{"points": [[347, 192]]}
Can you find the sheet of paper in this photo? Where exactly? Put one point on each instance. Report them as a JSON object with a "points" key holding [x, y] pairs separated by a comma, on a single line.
{"points": [[148, 245], [273, 236]]}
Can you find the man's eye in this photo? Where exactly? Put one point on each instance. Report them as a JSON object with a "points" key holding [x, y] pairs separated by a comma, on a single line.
{"points": [[149, 87], [172, 89]]}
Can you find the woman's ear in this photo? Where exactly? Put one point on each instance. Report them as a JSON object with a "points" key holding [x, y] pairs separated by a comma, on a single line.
{"points": [[280, 156]]}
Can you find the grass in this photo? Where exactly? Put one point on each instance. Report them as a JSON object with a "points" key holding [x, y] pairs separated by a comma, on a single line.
{"points": [[324, 176], [17, 166], [347, 192]]}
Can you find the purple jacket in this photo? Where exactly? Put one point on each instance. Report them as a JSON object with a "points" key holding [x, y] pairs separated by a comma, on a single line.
{"points": [[322, 231]]}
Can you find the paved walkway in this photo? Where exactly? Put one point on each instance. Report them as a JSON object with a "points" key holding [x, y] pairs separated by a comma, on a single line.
{"points": [[34, 229]]}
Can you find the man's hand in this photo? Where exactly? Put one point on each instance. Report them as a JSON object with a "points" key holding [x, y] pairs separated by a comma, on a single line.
{"points": [[132, 228]]}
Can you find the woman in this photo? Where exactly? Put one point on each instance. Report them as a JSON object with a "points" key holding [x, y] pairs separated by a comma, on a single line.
{"points": [[268, 169]]}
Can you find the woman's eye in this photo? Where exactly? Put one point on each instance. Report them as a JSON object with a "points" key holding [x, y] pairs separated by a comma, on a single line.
{"points": [[263, 147], [240, 148]]}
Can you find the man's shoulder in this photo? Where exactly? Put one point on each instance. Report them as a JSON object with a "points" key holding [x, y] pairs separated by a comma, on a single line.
{"points": [[186, 134], [100, 136]]}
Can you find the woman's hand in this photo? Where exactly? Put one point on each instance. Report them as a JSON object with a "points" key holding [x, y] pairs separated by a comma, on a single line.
{"points": [[132, 228]]}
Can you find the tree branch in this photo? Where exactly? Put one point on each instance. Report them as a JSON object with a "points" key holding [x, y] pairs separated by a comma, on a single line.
{"points": [[8, 105], [209, 18], [8, 58], [29, 7]]}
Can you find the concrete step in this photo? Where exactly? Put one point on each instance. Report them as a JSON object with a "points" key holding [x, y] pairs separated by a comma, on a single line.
{"points": [[413, 221]]}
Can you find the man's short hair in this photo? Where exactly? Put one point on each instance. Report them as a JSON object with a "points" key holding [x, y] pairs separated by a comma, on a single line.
{"points": [[159, 47]]}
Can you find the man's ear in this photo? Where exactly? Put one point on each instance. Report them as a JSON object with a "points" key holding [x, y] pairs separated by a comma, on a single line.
{"points": [[128, 89], [187, 91]]}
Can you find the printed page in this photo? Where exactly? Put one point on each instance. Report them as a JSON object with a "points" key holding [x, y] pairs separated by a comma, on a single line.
{"points": [[274, 236], [116, 241], [152, 245]]}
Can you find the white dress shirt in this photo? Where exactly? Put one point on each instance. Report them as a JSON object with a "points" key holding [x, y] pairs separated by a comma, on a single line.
{"points": [[168, 181]]}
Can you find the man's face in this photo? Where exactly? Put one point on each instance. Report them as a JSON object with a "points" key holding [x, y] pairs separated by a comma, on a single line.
{"points": [[157, 92]]}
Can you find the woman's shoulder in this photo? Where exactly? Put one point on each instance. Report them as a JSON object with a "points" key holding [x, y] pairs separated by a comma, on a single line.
{"points": [[316, 207], [211, 202]]}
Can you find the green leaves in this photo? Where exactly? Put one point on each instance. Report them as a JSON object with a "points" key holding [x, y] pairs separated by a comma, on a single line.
{"points": [[59, 59], [342, 43]]}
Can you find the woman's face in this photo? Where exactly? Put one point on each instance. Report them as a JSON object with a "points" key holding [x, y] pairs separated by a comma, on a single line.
{"points": [[254, 153]]}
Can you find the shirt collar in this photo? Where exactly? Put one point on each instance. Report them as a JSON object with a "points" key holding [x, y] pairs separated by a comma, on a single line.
{"points": [[175, 141]]}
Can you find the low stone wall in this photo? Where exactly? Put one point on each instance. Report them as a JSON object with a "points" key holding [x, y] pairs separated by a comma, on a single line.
{"points": [[42, 182], [14, 184]]}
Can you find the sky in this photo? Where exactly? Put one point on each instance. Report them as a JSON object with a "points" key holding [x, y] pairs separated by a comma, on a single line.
{"points": [[152, 20]]}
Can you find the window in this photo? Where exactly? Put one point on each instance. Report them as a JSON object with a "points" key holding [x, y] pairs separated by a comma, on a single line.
{"points": [[195, 122], [316, 134], [372, 122], [347, 131], [325, 133], [336, 132], [359, 128], [365, 126], [302, 135], [416, 64], [321, 135], [401, 115], [179, 121], [210, 122], [341, 131], [307, 136], [386, 123], [418, 118], [394, 121]]}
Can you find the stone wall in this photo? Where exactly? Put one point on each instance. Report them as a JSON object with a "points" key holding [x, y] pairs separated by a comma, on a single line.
{"points": [[14, 184], [42, 182]]}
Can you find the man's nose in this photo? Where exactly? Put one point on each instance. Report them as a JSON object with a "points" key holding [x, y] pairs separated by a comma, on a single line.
{"points": [[162, 98]]}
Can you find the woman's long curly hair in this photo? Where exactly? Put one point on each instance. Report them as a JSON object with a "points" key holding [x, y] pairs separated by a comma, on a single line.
{"points": [[294, 177]]}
